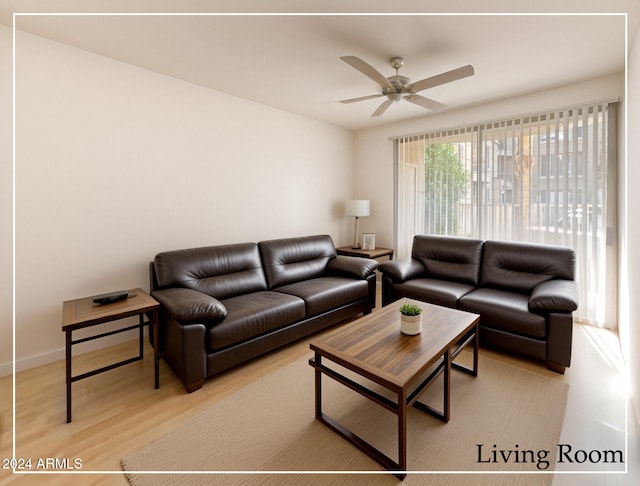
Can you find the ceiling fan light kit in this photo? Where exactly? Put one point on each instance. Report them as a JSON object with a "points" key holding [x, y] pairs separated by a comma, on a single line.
{"points": [[397, 87]]}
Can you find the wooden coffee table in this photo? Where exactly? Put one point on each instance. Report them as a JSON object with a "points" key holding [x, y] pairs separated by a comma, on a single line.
{"points": [[374, 347]]}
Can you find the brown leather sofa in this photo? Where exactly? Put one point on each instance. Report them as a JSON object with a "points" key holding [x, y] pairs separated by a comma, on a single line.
{"points": [[223, 305], [525, 293]]}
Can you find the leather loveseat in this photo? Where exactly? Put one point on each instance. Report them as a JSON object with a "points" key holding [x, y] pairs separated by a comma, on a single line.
{"points": [[223, 305], [525, 293]]}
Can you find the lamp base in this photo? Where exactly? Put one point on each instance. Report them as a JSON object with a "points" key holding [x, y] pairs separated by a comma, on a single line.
{"points": [[356, 243]]}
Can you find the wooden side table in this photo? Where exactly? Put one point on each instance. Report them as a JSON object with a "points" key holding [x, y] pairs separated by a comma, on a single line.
{"points": [[373, 254], [83, 313]]}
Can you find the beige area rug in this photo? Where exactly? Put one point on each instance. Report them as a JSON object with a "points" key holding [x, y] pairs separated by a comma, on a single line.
{"points": [[267, 434]]}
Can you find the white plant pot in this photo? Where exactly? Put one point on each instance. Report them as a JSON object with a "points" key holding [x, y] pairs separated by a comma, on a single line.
{"points": [[411, 325]]}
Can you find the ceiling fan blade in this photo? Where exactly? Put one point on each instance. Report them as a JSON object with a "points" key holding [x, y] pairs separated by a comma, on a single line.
{"points": [[427, 103], [442, 78], [362, 98], [368, 70], [382, 108]]}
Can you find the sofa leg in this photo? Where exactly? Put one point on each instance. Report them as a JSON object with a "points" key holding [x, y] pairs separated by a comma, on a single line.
{"points": [[556, 367], [191, 387]]}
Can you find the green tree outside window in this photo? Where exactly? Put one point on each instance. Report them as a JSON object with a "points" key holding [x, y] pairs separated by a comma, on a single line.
{"points": [[445, 186]]}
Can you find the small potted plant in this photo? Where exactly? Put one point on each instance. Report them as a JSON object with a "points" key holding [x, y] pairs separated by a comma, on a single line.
{"points": [[410, 319]]}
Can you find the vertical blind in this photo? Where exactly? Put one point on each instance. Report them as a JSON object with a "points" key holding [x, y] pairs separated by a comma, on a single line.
{"points": [[546, 178]]}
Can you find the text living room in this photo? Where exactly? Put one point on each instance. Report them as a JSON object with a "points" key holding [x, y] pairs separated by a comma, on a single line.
{"points": [[134, 158]]}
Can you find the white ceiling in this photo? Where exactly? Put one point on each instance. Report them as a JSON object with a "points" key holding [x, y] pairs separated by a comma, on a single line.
{"points": [[291, 62]]}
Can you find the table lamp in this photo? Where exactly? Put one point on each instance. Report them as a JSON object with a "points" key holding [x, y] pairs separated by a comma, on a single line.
{"points": [[356, 208]]}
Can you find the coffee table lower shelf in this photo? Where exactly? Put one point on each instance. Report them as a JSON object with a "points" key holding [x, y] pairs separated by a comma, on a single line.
{"points": [[398, 407]]}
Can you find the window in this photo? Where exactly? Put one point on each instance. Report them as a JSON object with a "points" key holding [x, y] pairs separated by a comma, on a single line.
{"points": [[542, 178]]}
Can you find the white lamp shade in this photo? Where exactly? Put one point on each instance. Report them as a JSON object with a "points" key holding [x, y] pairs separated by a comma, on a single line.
{"points": [[357, 207]]}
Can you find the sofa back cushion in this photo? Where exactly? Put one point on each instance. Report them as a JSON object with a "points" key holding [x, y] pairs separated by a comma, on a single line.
{"points": [[521, 266], [449, 257], [220, 271], [291, 260]]}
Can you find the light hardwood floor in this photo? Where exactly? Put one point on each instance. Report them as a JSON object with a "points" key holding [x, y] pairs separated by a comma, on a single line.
{"points": [[119, 412]]}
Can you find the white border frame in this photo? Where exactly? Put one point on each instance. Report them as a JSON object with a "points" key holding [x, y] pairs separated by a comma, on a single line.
{"points": [[18, 14]]}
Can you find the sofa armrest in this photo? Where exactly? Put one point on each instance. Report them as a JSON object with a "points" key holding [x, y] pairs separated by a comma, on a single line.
{"points": [[187, 305], [401, 270], [556, 295], [355, 267]]}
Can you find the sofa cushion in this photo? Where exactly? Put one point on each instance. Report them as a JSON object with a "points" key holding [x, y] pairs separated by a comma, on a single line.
{"points": [[326, 293], [439, 292], [220, 271], [254, 314], [448, 257], [507, 311], [521, 266], [292, 260]]}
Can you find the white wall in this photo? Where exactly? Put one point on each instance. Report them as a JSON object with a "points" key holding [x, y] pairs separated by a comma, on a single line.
{"points": [[374, 150], [115, 164]]}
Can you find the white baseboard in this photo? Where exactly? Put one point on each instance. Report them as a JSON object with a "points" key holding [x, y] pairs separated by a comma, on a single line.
{"points": [[32, 362], [6, 368]]}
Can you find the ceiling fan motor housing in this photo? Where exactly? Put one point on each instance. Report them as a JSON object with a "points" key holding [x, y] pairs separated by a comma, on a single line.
{"points": [[399, 83]]}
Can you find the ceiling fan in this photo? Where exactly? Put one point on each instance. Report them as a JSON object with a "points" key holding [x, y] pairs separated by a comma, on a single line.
{"points": [[398, 87]]}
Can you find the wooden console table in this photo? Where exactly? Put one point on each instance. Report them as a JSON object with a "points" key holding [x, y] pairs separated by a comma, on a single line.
{"points": [[82, 313]]}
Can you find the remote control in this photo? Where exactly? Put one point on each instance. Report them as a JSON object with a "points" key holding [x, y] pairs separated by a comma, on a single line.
{"points": [[111, 297]]}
